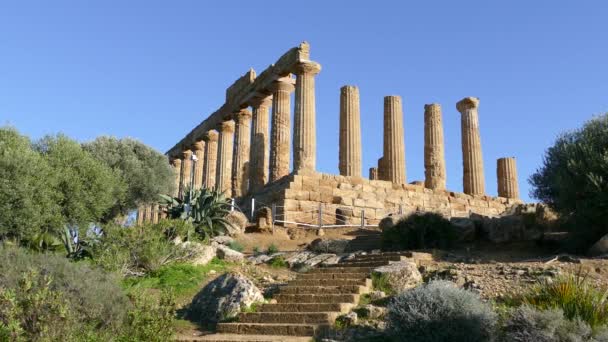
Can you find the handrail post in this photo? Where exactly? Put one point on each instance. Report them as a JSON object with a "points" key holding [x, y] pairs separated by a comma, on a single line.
{"points": [[273, 215], [320, 215], [252, 208], [363, 219]]}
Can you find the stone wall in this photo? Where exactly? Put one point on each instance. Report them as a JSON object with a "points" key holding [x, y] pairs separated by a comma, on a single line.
{"points": [[298, 196]]}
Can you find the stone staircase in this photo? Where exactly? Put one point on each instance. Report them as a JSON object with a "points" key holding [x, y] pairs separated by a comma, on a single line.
{"points": [[308, 305], [365, 241]]}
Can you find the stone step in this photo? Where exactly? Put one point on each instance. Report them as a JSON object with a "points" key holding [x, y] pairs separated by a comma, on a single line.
{"points": [[272, 329], [360, 264], [331, 282], [337, 268], [246, 338], [340, 289], [289, 317], [327, 276], [317, 298], [310, 307], [377, 257]]}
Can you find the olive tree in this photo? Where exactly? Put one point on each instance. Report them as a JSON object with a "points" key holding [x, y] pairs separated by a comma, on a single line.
{"points": [[145, 172], [573, 179]]}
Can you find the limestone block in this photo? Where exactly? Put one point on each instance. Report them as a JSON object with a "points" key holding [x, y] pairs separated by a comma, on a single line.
{"points": [[302, 195], [290, 193], [457, 200], [359, 203], [345, 186], [326, 198], [295, 186], [314, 196], [290, 204], [346, 201]]}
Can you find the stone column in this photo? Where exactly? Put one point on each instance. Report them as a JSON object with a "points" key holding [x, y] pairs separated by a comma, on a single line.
{"points": [[506, 171], [304, 130], [434, 156], [240, 159], [140, 215], [209, 171], [177, 171], [394, 145], [148, 214], [199, 165], [373, 173], [350, 132], [260, 151], [381, 168], [223, 175], [472, 177], [154, 213], [186, 176], [280, 131]]}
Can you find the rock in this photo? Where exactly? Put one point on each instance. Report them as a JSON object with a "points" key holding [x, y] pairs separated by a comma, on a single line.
{"points": [[263, 219], [465, 228], [203, 254], [259, 259], [568, 258], [299, 257], [229, 255], [224, 297], [401, 275], [331, 261], [238, 222], [348, 320], [600, 247], [320, 232], [372, 311], [314, 261], [222, 240], [375, 295], [335, 246]]}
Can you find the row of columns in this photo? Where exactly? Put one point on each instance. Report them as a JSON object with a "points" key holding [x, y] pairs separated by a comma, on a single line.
{"points": [[391, 166], [150, 213], [237, 157]]}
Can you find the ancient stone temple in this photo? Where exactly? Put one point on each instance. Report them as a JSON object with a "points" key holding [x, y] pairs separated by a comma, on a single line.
{"points": [[244, 149]]}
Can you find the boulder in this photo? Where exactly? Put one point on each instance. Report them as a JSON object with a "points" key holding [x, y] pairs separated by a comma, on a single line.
{"points": [[259, 259], [314, 261], [331, 261], [600, 247], [335, 246], [299, 257], [263, 219], [238, 222], [228, 254], [401, 275], [465, 228], [223, 298], [202, 254], [372, 311], [222, 240]]}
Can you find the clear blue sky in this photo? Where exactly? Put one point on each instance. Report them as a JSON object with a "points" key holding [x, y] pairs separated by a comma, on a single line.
{"points": [[154, 69]]}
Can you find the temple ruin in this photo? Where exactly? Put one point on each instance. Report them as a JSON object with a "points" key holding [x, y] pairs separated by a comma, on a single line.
{"points": [[239, 153]]}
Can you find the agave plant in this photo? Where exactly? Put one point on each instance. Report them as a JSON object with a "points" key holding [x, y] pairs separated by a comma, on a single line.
{"points": [[206, 208]]}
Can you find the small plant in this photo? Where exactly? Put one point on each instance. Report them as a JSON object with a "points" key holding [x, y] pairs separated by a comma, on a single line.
{"points": [[381, 282], [256, 251], [150, 320], [439, 311], [417, 231], [529, 324], [254, 307], [278, 262], [574, 295], [272, 249], [235, 245]]}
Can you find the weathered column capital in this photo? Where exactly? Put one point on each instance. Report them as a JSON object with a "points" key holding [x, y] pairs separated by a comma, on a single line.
{"points": [[227, 126], [211, 135], [186, 154], [243, 114], [176, 162], [261, 101], [198, 146], [282, 84], [432, 107], [467, 103], [307, 67]]}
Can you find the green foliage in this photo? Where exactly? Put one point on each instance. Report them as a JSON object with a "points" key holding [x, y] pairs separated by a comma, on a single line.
{"points": [[173, 229], [28, 195], [439, 311], [278, 262], [150, 319], [529, 324], [574, 295], [135, 251], [236, 246], [380, 282], [573, 180], [178, 278], [427, 230], [256, 251], [207, 209], [144, 171], [87, 188], [254, 307], [272, 249]]}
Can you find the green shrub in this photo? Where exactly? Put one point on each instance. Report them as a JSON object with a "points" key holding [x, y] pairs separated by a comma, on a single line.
{"points": [[93, 295], [438, 311], [380, 282], [416, 231], [150, 319], [574, 295], [573, 181], [256, 251], [529, 324], [278, 262], [235, 245], [272, 249], [173, 229], [135, 251]]}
